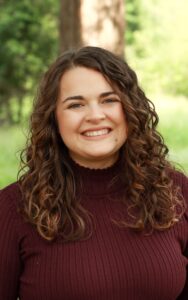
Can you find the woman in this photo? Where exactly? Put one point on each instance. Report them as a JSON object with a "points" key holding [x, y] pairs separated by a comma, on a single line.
{"points": [[98, 212]]}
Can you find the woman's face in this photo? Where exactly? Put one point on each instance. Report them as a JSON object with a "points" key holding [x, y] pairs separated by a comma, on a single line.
{"points": [[90, 118]]}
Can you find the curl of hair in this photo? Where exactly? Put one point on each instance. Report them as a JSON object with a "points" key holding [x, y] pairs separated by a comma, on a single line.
{"points": [[47, 181]]}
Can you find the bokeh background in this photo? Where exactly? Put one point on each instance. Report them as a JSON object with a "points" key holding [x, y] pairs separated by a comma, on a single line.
{"points": [[150, 34]]}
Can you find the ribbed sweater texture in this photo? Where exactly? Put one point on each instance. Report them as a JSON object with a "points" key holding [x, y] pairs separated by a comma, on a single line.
{"points": [[113, 264]]}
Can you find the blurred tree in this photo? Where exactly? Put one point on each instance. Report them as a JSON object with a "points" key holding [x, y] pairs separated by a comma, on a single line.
{"points": [[28, 34], [70, 24], [158, 47], [97, 23], [30, 40]]}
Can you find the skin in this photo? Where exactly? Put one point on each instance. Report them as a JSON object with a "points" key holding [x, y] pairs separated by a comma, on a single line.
{"points": [[90, 118]]}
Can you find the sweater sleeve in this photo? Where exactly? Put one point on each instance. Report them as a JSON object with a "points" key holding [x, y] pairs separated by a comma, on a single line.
{"points": [[184, 188], [10, 264]]}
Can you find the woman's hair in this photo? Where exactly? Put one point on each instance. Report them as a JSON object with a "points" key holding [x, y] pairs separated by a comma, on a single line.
{"points": [[47, 181]]}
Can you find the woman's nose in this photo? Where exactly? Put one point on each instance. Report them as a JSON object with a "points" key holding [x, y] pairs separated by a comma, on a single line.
{"points": [[95, 113]]}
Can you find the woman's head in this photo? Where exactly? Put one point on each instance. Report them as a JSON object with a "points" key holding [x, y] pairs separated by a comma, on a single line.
{"points": [[139, 113]]}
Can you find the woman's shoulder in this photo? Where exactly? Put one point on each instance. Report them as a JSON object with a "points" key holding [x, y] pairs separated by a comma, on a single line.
{"points": [[10, 196], [181, 180], [11, 189]]}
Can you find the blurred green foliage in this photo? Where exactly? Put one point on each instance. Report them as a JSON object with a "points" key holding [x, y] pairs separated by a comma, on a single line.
{"points": [[13, 142], [173, 126], [157, 44], [29, 42], [133, 22]]}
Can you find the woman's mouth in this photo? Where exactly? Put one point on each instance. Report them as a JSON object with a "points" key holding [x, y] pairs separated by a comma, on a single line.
{"points": [[91, 133]]}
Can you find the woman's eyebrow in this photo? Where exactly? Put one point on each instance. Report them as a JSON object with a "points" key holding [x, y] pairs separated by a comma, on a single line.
{"points": [[105, 94], [76, 97]]}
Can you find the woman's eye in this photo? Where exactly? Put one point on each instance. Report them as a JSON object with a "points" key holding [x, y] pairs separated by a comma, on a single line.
{"points": [[74, 105], [111, 100]]}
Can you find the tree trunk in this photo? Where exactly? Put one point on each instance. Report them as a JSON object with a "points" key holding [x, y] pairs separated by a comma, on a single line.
{"points": [[70, 24], [93, 22], [103, 24]]}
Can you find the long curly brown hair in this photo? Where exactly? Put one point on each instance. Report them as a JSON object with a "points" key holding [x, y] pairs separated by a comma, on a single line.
{"points": [[47, 181]]}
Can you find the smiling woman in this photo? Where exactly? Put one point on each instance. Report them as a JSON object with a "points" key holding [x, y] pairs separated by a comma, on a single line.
{"points": [[91, 113], [98, 209]]}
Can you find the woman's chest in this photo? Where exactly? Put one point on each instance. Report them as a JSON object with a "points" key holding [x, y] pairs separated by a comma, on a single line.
{"points": [[113, 264]]}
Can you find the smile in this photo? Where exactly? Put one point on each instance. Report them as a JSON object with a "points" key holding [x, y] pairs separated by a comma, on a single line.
{"points": [[97, 132]]}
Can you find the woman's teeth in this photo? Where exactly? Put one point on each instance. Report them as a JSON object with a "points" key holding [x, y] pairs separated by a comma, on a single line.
{"points": [[97, 132]]}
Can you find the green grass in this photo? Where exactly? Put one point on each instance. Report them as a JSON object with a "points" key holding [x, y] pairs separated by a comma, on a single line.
{"points": [[11, 142], [173, 125], [173, 114]]}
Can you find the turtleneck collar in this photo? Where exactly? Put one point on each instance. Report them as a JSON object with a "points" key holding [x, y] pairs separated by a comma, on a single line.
{"points": [[98, 182]]}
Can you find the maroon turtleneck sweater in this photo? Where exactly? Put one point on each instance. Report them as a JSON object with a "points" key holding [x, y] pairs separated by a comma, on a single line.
{"points": [[114, 264]]}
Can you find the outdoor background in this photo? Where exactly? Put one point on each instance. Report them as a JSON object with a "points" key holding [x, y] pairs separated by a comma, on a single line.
{"points": [[150, 34]]}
